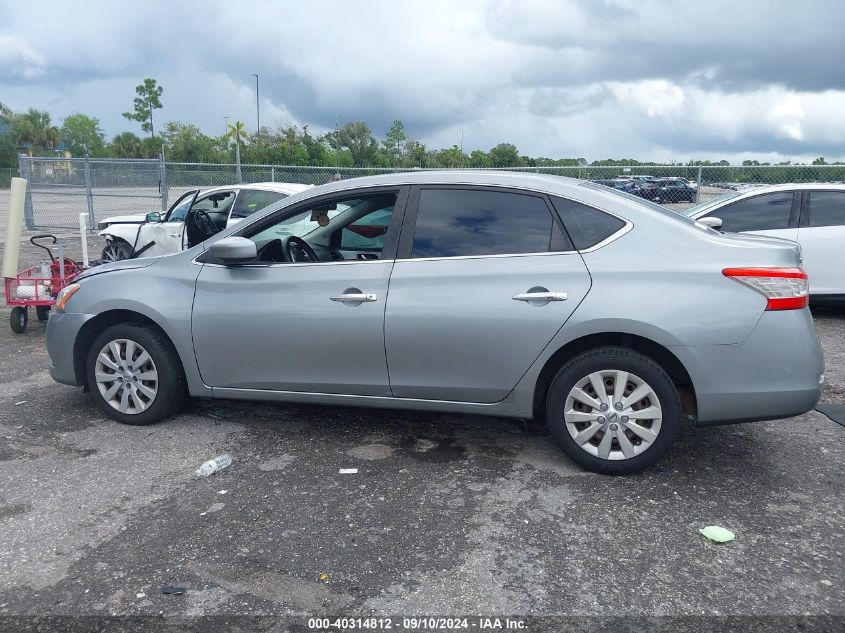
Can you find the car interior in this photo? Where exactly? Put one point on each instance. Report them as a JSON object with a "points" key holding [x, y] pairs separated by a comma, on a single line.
{"points": [[343, 229], [208, 216]]}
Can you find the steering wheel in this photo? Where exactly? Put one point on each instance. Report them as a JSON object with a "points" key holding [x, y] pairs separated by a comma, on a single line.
{"points": [[287, 251], [204, 223]]}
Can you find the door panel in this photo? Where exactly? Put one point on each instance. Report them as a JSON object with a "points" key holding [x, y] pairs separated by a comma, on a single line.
{"points": [[276, 327], [823, 251], [167, 237], [454, 332]]}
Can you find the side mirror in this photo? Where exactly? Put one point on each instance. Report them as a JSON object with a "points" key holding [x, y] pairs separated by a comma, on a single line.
{"points": [[234, 250], [153, 218], [711, 222]]}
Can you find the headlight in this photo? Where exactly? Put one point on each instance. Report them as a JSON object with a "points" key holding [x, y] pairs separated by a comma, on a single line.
{"points": [[102, 225], [64, 294]]}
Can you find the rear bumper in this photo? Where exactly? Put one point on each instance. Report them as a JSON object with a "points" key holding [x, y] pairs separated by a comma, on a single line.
{"points": [[62, 330], [777, 372]]}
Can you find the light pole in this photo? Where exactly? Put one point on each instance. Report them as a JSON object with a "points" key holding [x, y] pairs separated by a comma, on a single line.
{"points": [[225, 125], [257, 109]]}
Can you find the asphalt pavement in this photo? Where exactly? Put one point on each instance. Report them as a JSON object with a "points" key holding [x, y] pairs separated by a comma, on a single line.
{"points": [[446, 514]]}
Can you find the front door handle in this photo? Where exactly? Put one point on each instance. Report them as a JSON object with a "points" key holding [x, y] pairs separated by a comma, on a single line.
{"points": [[354, 297], [538, 296]]}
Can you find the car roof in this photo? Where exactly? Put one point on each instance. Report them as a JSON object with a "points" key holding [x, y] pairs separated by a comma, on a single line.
{"points": [[280, 187]]}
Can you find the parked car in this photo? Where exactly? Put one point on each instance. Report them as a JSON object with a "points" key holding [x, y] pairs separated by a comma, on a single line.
{"points": [[492, 293], [671, 190], [194, 217], [811, 214], [623, 184], [648, 188]]}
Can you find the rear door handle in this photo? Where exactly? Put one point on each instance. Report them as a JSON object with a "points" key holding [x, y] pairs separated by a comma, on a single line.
{"points": [[354, 297], [540, 296]]}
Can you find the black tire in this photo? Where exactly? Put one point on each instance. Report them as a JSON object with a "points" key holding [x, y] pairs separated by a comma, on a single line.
{"points": [[614, 358], [116, 250], [172, 387], [42, 312], [18, 319]]}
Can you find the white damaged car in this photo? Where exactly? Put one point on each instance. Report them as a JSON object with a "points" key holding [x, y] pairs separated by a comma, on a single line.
{"points": [[192, 219]]}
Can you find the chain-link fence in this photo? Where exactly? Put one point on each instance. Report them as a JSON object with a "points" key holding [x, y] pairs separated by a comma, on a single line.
{"points": [[60, 189]]}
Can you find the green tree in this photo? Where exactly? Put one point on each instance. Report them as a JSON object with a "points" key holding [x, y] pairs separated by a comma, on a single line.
{"points": [[394, 139], [126, 145], [148, 99], [186, 143], [34, 129], [82, 135], [504, 155], [237, 132], [358, 139], [819, 161]]}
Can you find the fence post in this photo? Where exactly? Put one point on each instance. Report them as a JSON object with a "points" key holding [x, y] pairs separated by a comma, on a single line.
{"points": [[162, 183], [25, 170], [89, 195], [698, 188], [272, 173]]}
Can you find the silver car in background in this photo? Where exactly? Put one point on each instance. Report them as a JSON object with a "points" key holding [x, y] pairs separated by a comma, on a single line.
{"points": [[492, 293]]}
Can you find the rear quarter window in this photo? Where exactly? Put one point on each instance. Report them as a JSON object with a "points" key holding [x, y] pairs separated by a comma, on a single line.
{"points": [[586, 225]]}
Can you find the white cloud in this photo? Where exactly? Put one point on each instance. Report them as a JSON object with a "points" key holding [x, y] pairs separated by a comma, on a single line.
{"points": [[18, 59], [632, 78]]}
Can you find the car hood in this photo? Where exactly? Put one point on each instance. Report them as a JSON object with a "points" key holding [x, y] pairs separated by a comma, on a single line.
{"points": [[125, 219], [124, 264]]}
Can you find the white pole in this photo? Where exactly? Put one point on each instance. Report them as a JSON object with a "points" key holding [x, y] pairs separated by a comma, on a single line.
{"points": [[14, 225], [83, 236]]}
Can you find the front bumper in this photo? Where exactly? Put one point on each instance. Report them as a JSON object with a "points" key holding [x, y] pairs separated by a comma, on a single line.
{"points": [[777, 372], [62, 331]]}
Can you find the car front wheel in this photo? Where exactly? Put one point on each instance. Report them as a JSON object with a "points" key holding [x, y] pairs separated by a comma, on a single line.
{"points": [[116, 250], [135, 375], [613, 410]]}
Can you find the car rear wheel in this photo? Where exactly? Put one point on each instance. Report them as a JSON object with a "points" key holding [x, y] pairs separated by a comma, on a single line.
{"points": [[613, 410], [135, 375], [116, 250]]}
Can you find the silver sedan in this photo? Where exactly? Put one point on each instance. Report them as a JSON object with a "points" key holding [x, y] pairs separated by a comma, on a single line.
{"points": [[493, 293]]}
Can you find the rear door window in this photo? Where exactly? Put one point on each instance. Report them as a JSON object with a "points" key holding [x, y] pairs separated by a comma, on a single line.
{"points": [[473, 222], [827, 208], [769, 211]]}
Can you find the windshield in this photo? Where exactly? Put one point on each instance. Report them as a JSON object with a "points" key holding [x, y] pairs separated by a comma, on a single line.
{"points": [[703, 206], [642, 201]]}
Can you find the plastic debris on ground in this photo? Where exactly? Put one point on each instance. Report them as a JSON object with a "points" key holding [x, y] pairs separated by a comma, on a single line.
{"points": [[717, 534], [213, 465], [172, 590], [348, 471]]}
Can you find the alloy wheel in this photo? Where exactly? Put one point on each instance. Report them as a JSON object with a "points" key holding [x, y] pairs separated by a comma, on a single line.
{"points": [[126, 376], [113, 253], [613, 414]]}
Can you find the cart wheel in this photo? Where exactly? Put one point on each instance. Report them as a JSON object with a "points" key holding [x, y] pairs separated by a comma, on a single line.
{"points": [[42, 312], [18, 319]]}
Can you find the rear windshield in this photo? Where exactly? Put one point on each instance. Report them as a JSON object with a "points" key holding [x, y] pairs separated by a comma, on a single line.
{"points": [[641, 201]]}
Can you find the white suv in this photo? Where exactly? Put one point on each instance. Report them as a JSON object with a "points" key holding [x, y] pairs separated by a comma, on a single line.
{"points": [[192, 219]]}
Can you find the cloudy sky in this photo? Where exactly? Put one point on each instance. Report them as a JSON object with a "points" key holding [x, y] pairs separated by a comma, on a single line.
{"points": [[656, 80]]}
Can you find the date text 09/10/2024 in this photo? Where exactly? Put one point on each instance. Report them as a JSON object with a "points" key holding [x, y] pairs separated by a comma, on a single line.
{"points": [[415, 624]]}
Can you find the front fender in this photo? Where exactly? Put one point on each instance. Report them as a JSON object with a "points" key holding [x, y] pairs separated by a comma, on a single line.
{"points": [[125, 232]]}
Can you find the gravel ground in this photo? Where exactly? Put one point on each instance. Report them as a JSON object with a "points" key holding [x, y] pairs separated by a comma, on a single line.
{"points": [[447, 514]]}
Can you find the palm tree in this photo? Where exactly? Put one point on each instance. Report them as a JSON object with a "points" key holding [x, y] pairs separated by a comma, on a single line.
{"points": [[237, 131], [34, 127]]}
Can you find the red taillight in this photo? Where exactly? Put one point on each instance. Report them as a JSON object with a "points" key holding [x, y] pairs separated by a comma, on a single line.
{"points": [[784, 288]]}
